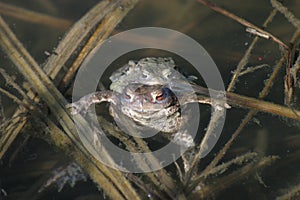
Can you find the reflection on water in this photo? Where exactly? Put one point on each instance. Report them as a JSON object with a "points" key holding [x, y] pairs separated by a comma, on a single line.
{"points": [[224, 39]]}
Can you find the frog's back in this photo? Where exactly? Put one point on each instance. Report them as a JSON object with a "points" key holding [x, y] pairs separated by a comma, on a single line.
{"points": [[147, 71]]}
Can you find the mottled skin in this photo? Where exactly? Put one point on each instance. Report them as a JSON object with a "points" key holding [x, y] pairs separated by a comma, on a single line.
{"points": [[154, 106]]}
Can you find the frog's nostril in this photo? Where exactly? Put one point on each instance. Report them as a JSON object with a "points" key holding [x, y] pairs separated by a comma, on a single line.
{"points": [[144, 76], [127, 97]]}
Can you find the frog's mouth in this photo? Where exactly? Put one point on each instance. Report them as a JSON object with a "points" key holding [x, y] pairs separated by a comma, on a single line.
{"points": [[145, 105], [145, 98], [159, 120], [150, 111]]}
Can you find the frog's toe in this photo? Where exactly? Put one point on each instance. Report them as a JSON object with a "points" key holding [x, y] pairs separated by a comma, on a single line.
{"points": [[73, 108], [183, 139]]}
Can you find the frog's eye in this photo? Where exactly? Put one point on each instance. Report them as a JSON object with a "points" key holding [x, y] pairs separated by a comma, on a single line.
{"points": [[163, 95], [160, 96]]}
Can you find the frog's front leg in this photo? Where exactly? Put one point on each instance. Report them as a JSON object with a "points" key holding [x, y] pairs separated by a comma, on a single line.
{"points": [[85, 102]]}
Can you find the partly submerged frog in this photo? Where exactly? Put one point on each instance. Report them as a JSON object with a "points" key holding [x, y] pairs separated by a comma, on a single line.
{"points": [[147, 95]]}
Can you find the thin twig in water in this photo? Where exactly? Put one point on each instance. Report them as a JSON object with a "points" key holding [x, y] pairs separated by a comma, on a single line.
{"points": [[288, 14], [288, 84], [253, 69], [243, 62], [290, 193], [14, 98], [242, 21], [234, 177], [240, 160], [218, 113], [257, 33], [9, 80]]}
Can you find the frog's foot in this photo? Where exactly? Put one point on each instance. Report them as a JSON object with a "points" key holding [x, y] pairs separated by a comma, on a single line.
{"points": [[184, 139]]}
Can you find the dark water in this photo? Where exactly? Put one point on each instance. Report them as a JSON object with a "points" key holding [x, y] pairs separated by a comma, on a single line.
{"points": [[225, 40]]}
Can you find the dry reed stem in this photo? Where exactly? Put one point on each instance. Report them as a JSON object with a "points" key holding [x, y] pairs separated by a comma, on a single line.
{"points": [[75, 36], [292, 193], [103, 30], [12, 129]]}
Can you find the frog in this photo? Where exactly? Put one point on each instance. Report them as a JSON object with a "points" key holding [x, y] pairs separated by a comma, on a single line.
{"points": [[147, 96]]}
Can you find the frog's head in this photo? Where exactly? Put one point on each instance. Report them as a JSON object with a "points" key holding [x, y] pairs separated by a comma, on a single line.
{"points": [[140, 101]]}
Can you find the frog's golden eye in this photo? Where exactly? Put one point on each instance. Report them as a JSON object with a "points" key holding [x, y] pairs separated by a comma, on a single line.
{"points": [[160, 96]]}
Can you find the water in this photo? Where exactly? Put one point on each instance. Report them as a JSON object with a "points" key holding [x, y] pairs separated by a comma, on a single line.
{"points": [[225, 40]]}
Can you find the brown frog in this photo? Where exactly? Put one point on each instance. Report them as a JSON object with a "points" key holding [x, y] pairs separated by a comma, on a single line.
{"points": [[147, 96]]}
